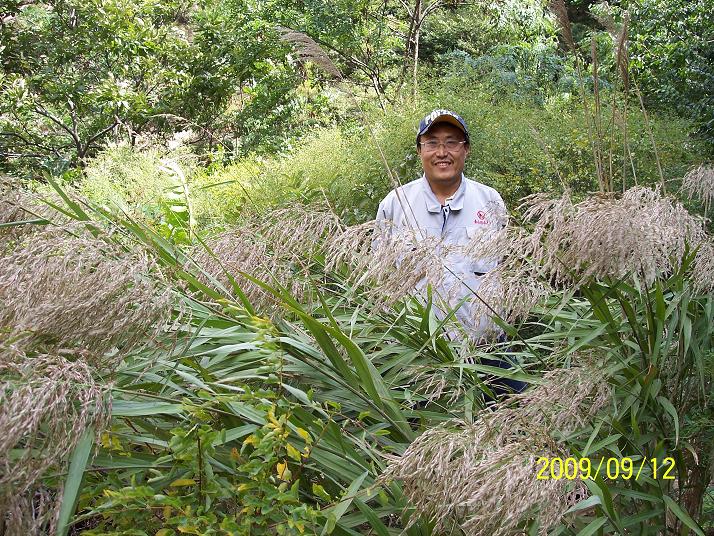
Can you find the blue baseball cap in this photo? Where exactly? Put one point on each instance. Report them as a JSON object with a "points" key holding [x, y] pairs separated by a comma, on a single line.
{"points": [[442, 116]]}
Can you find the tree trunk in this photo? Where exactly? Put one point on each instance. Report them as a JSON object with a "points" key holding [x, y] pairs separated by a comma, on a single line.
{"points": [[415, 46]]}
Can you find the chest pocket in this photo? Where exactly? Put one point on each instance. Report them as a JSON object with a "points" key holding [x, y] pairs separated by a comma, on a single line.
{"points": [[479, 266]]}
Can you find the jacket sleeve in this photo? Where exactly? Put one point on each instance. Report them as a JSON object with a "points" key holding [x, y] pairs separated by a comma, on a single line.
{"points": [[384, 211]]}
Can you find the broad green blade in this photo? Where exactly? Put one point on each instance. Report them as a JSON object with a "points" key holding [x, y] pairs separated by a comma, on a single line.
{"points": [[70, 494]]}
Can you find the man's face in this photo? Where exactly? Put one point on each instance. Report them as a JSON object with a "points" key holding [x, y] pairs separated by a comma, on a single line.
{"points": [[443, 165]]}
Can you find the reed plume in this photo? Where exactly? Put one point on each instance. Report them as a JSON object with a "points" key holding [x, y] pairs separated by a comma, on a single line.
{"points": [[699, 184], [33, 513], [66, 288], [19, 205], [46, 402], [308, 50], [639, 234], [459, 474], [703, 272], [560, 10], [278, 247], [389, 264], [73, 302]]}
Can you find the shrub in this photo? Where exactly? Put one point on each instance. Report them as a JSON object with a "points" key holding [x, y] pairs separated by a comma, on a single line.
{"points": [[517, 148], [672, 55], [134, 180]]}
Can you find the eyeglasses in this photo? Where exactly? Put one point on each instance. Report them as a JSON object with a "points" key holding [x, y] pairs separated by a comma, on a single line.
{"points": [[430, 146]]}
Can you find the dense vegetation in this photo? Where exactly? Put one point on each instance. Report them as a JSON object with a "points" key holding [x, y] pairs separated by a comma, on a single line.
{"points": [[203, 332]]}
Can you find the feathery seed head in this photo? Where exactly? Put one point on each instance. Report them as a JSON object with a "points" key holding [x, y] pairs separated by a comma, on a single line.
{"points": [[65, 288], [309, 50], [394, 262], [560, 11], [276, 253], [461, 473], [34, 513], [699, 183], [703, 273], [640, 234], [46, 402], [18, 205]]}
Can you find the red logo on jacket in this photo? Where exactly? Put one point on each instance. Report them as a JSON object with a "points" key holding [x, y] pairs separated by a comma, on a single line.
{"points": [[481, 218]]}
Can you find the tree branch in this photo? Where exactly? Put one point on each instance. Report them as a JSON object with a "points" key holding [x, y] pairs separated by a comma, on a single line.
{"points": [[100, 134], [43, 112], [431, 7], [27, 142]]}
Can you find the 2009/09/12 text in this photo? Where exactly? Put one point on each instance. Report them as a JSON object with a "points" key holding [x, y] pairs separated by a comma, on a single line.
{"points": [[612, 468]]}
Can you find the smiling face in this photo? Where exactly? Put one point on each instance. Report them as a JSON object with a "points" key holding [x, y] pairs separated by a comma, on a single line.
{"points": [[443, 167]]}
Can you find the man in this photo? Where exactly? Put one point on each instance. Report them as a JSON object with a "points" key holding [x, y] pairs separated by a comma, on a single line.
{"points": [[445, 205]]}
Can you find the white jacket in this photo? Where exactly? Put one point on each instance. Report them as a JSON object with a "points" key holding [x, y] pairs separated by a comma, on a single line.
{"points": [[475, 208]]}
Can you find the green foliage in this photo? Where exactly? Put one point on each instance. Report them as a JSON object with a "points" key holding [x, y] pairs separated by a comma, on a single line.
{"points": [[476, 28], [77, 74], [151, 185], [672, 57], [189, 493], [83, 69], [233, 424], [529, 73], [359, 34], [517, 148], [263, 457], [236, 424], [659, 345]]}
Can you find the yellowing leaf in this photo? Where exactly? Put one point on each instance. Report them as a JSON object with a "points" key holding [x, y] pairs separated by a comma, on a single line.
{"points": [[297, 524], [167, 514], [189, 529], [271, 417], [293, 452], [182, 482], [252, 439], [234, 453], [281, 467], [283, 471], [164, 532], [305, 435], [320, 492]]}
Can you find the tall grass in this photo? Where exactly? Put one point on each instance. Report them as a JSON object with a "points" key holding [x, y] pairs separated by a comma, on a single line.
{"points": [[518, 149], [280, 376], [355, 382]]}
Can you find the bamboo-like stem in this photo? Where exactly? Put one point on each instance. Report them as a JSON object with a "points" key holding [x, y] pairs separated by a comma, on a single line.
{"points": [[651, 135]]}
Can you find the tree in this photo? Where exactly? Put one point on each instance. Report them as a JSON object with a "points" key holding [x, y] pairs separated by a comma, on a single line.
{"points": [[77, 74], [417, 15], [673, 57], [78, 71]]}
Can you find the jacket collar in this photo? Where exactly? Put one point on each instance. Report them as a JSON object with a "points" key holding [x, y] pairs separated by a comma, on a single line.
{"points": [[455, 202]]}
